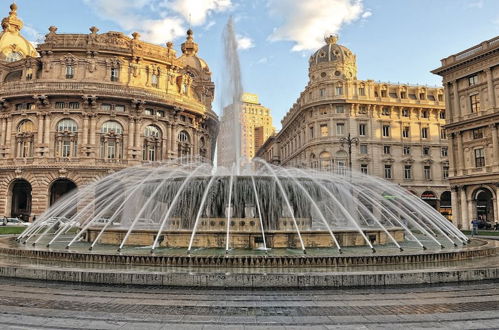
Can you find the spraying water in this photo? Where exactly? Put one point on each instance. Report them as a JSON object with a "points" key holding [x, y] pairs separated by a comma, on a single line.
{"points": [[229, 140]]}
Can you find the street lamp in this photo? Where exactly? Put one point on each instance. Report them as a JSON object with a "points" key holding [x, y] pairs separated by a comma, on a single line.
{"points": [[349, 141]]}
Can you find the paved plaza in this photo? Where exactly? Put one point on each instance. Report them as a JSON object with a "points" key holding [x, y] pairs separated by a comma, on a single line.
{"points": [[50, 305]]}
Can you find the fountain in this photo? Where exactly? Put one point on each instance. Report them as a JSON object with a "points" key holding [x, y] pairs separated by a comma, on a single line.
{"points": [[187, 213]]}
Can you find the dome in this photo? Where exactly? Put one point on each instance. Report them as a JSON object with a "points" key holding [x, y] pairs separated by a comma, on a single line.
{"points": [[338, 58], [189, 54], [13, 46]]}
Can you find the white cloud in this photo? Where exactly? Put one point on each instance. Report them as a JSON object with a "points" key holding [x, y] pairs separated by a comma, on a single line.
{"points": [[307, 22], [196, 11], [244, 42], [475, 4], [173, 15]]}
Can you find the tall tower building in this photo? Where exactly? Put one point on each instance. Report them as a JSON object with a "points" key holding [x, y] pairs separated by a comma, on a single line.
{"points": [[256, 128]]}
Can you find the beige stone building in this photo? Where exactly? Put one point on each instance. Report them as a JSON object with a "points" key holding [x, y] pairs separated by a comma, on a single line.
{"points": [[399, 127], [81, 106], [471, 82], [256, 128]]}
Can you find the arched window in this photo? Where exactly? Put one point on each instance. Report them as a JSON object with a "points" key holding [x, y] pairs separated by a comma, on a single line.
{"points": [[66, 138], [14, 56], [25, 138], [203, 151], [341, 161], [111, 142], [152, 143], [313, 161], [184, 144], [326, 161]]}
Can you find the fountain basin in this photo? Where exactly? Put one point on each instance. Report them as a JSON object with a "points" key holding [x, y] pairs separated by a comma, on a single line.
{"points": [[248, 239]]}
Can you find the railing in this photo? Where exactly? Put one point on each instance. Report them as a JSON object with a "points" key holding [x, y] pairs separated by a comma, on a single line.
{"points": [[30, 88], [471, 51]]}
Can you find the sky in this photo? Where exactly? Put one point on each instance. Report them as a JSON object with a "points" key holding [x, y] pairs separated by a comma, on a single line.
{"points": [[394, 40]]}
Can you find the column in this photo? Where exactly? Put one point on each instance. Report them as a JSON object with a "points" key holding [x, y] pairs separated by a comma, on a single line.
{"points": [[457, 108], [39, 138], [460, 156], [8, 133], [490, 88], [85, 129], [194, 152], [496, 215], [494, 143], [172, 138], [454, 205], [471, 213], [137, 134], [449, 109], [464, 209], [452, 158], [92, 130], [3, 132], [131, 132], [47, 130]]}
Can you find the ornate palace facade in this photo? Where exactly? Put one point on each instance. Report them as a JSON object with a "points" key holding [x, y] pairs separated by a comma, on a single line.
{"points": [[81, 106], [399, 127], [471, 82]]}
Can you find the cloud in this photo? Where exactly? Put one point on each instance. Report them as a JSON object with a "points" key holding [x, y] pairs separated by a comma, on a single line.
{"points": [[244, 42], [307, 22], [172, 15], [196, 11], [475, 4]]}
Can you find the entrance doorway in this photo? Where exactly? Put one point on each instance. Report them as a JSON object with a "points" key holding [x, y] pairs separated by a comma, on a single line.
{"points": [[446, 205], [21, 200], [484, 205], [430, 198], [60, 188]]}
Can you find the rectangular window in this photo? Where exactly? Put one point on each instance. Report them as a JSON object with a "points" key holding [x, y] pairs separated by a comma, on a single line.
{"points": [[324, 130], [403, 95], [340, 109], [119, 108], [386, 150], [363, 149], [427, 172], [443, 134], [362, 109], [154, 80], [150, 112], [362, 91], [340, 128], [424, 132], [405, 112], [74, 105], [445, 172], [105, 106], [385, 111], [339, 90], [475, 103], [160, 113], [478, 133], [388, 171], [442, 114], [426, 151], [406, 132], [444, 152], [386, 130], [407, 172], [115, 74], [406, 150], [363, 168], [383, 93], [322, 92], [66, 148], [425, 114], [69, 72], [479, 157], [422, 96], [362, 129], [59, 105], [311, 130], [473, 80]]}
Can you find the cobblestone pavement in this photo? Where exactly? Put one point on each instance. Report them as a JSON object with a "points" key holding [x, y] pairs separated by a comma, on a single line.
{"points": [[49, 305]]}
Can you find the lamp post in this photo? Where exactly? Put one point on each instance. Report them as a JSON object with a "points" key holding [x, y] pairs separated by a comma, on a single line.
{"points": [[349, 141]]}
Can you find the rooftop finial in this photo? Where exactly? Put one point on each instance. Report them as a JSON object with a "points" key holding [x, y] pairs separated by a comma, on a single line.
{"points": [[12, 23], [189, 47], [331, 39]]}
